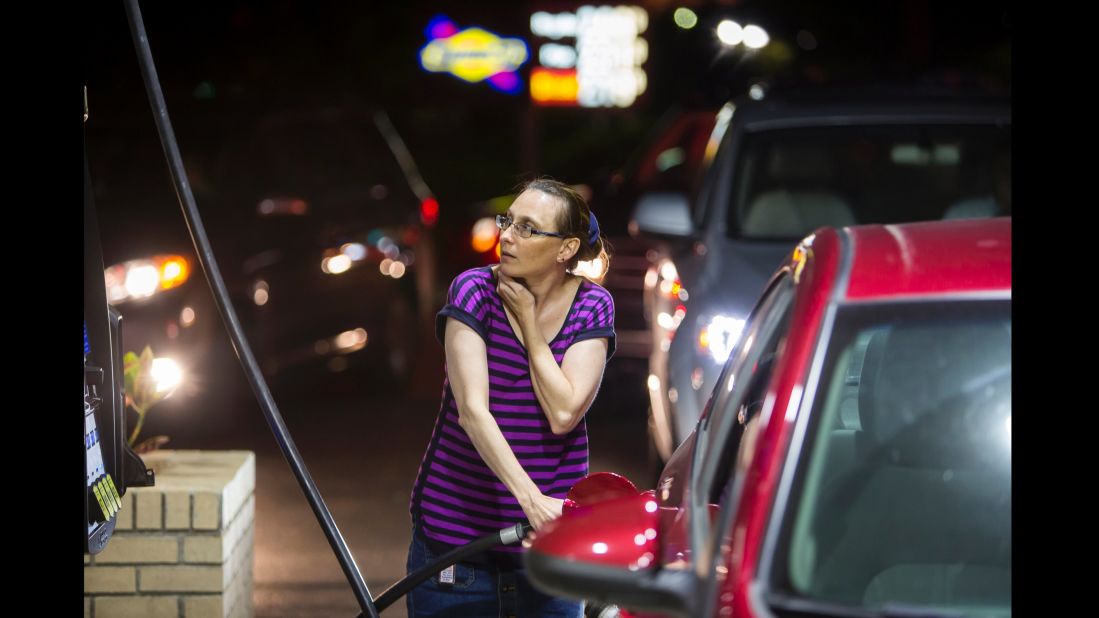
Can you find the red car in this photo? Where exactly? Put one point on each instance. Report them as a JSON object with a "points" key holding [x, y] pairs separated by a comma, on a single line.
{"points": [[854, 458]]}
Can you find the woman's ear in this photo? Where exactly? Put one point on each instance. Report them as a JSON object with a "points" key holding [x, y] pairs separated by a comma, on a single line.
{"points": [[568, 249]]}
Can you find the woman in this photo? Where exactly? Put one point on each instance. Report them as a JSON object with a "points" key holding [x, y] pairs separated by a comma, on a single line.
{"points": [[526, 342]]}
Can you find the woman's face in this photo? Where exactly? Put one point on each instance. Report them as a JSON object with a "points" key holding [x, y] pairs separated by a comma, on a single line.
{"points": [[524, 257]]}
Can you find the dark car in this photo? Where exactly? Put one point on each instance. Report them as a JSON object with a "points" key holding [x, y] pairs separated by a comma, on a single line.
{"points": [[852, 459], [778, 166]]}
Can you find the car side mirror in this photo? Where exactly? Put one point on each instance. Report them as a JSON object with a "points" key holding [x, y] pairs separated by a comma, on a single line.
{"points": [[608, 553], [662, 214]]}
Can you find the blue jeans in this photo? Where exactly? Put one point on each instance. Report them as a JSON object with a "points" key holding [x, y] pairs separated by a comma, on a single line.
{"points": [[479, 591]]}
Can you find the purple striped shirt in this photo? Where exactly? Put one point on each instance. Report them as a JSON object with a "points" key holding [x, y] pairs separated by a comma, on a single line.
{"points": [[457, 497]]}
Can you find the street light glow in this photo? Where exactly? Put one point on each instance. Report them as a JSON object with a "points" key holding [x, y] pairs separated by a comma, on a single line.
{"points": [[755, 37], [685, 18], [730, 32]]}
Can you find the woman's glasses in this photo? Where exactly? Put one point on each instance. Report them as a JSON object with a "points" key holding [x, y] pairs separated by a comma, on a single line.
{"points": [[504, 222]]}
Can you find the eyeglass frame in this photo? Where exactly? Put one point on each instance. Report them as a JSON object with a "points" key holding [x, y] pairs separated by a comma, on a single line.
{"points": [[504, 222]]}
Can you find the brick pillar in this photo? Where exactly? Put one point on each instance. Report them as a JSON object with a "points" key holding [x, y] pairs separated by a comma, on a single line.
{"points": [[183, 547]]}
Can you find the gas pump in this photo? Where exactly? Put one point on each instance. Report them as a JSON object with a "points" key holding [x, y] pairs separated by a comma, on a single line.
{"points": [[110, 466]]}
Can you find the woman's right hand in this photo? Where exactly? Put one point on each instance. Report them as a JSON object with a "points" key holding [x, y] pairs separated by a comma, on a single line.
{"points": [[541, 508]]}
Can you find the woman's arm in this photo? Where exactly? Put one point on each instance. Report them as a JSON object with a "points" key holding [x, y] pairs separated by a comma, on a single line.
{"points": [[567, 390], [467, 370]]}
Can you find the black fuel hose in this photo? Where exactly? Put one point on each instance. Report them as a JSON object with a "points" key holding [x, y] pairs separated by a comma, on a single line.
{"points": [[508, 536], [229, 316]]}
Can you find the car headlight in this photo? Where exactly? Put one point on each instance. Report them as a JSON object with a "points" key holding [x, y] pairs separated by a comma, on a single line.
{"points": [[719, 336], [167, 375], [137, 279]]}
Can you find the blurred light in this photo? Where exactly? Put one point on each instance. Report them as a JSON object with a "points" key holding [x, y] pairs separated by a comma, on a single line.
{"points": [[755, 37], [472, 54], [650, 506], [653, 382], [685, 18], [729, 32], [650, 533], [668, 270], [383, 267], [639, 540], [172, 330], [173, 272], [673, 394], [187, 317], [645, 561], [555, 56], [669, 159], [599, 548], [756, 92], [440, 27], [650, 278], [484, 234], [429, 211], [396, 270], [260, 297], [806, 40], [392, 251], [666, 286], [592, 269], [337, 264], [407, 258], [354, 251], [552, 26], [683, 295], [719, 337], [506, 82], [322, 347], [696, 378], [350, 341], [142, 281], [554, 86], [282, 206], [665, 321], [497, 250], [166, 375], [665, 345]]}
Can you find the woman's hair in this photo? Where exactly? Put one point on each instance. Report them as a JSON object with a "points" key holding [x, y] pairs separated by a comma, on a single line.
{"points": [[575, 220]]}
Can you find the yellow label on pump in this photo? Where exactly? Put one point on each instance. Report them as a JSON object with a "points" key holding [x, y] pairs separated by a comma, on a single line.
{"points": [[99, 499], [114, 492]]}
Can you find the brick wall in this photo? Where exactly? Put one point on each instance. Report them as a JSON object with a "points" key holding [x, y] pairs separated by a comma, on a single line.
{"points": [[183, 547]]}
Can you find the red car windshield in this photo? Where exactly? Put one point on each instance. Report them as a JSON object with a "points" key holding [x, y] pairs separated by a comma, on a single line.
{"points": [[903, 494]]}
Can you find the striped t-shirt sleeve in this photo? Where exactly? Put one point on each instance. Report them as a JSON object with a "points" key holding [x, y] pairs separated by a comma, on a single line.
{"points": [[599, 321], [466, 302]]}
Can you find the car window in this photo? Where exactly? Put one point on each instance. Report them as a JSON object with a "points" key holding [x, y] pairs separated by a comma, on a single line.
{"points": [[789, 182], [903, 493], [737, 397]]}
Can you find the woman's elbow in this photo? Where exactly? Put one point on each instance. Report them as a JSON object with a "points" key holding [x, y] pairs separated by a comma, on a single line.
{"points": [[564, 422]]}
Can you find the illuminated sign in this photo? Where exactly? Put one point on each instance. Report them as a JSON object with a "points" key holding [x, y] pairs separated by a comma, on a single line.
{"points": [[602, 68], [554, 86], [473, 55]]}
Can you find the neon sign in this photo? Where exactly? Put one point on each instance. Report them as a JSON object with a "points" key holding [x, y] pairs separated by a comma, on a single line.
{"points": [[473, 55], [602, 68]]}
